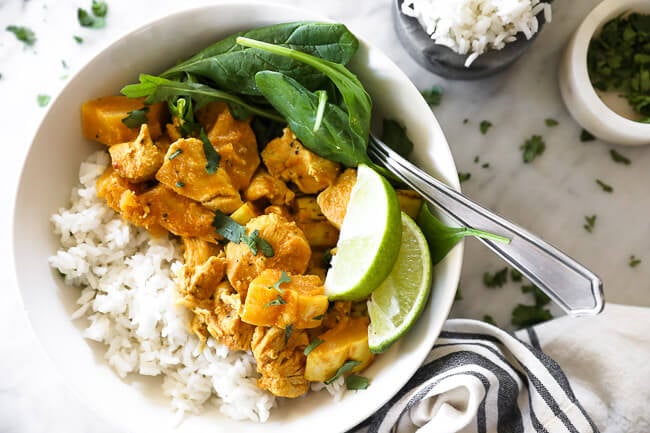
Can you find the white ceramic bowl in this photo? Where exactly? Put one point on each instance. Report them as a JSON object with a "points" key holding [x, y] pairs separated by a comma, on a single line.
{"points": [[50, 171], [580, 97]]}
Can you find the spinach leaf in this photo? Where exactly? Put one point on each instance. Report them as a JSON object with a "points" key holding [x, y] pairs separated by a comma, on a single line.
{"points": [[158, 89], [442, 239], [394, 135], [233, 67], [334, 140]]}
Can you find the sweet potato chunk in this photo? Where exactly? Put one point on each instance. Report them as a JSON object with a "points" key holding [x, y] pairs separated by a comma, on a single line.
{"points": [[347, 341], [333, 201], [101, 119], [298, 302]]}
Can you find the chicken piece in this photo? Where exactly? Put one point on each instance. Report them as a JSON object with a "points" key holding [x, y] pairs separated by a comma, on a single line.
{"points": [[200, 280], [137, 160], [263, 185], [286, 158], [101, 118], [120, 194], [280, 360], [409, 201], [197, 251], [333, 201], [298, 302], [234, 140], [291, 251], [348, 341], [183, 171], [219, 317], [279, 210], [338, 312], [308, 216]]}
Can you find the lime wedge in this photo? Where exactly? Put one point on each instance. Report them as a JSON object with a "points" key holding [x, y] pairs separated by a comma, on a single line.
{"points": [[396, 304], [369, 241]]}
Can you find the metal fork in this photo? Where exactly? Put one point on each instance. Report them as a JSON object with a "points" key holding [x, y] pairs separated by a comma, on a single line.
{"points": [[572, 286]]}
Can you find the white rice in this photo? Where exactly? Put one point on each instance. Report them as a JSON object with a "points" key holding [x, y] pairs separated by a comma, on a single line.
{"points": [[471, 27], [128, 295]]}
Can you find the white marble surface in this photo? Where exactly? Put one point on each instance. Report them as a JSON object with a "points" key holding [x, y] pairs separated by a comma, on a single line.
{"points": [[550, 197]]}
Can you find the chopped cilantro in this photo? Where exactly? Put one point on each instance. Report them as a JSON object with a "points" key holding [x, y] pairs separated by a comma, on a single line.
{"points": [[634, 262], [211, 155], [64, 64], [235, 232], [345, 368], [87, 20], [78, 39], [180, 184], [175, 154], [288, 330], [23, 34], [529, 315], [540, 297], [586, 136], [43, 100], [314, 344], [590, 222], [604, 186], [356, 382], [515, 275], [497, 279], [284, 278], [485, 165], [136, 118], [99, 8], [433, 96], [617, 157], [476, 159], [550, 122], [484, 126], [465, 121], [464, 177], [319, 317], [279, 300], [489, 319], [532, 148]]}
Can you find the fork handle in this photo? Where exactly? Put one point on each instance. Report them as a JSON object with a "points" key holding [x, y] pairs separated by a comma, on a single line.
{"points": [[572, 286]]}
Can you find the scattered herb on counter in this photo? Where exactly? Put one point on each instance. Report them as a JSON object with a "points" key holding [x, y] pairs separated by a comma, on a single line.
{"points": [[485, 165], [489, 319], [484, 126], [23, 34], [590, 222], [1, 76], [617, 157], [532, 148], [524, 316], [634, 262], [498, 279], [464, 177], [279, 300], [311, 346], [288, 330], [619, 60], [64, 64], [515, 275], [356, 382], [433, 96], [99, 8], [394, 135], [87, 20], [136, 118], [604, 186], [284, 278], [540, 297], [344, 369], [476, 159], [586, 136], [78, 39], [465, 121], [211, 155], [550, 122], [43, 100]]}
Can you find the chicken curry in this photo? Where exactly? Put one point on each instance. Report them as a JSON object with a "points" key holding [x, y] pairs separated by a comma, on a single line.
{"points": [[261, 290]]}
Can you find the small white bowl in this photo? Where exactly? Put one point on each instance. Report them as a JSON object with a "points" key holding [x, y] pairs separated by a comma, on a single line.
{"points": [[50, 171], [580, 97]]}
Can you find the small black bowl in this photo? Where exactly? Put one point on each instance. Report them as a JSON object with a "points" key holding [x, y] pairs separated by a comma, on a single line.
{"points": [[443, 61]]}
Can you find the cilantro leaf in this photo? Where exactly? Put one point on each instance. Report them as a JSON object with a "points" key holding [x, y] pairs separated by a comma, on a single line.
{"points": [[356, 382], [211, 154], [288, 330], [314, 344], [87, 20], [284, 278], [617, 157], [550, 122], [634, 262], [497, 279], [532, 148], [605, 187], [99, 8], [515, 275], [464, 177], [433, 96], [345, 368], [586, 136], [541, 298], [23, 34], [78, 39], [484, 126], [489, 319], [43, 100], [528, 315], [590, 222], [279, 300], [136, 118], [228, 227]]}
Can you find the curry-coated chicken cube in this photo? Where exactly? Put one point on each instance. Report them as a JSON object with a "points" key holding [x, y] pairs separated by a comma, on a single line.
{"points": [[286, 158], [265, 186], [280, 359], [200, 280], [234, 140], [184, 171], [348, 341], [280, 299], [137, 160], [291, 251], [333, 201], [197, 251], [283, 211], [219, 317]]}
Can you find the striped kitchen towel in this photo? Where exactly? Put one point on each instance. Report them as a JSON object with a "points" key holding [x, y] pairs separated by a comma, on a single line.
{"points": [[479, 378]]}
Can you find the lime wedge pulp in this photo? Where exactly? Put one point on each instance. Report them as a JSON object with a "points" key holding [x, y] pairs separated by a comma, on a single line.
{"points": [[369, 240], [396, 304]]}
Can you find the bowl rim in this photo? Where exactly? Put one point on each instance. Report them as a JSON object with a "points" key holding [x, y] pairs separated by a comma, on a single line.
{"points": [[455, 257], [579, 48]]}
